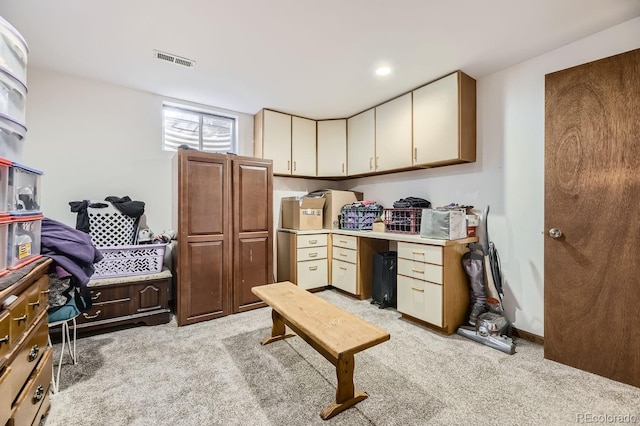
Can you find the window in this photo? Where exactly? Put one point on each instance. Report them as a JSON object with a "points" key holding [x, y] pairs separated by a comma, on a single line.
{"points": [[205, 131]]}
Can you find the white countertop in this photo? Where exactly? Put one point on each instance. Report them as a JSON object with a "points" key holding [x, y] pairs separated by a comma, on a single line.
{"points": [[409, 238]]}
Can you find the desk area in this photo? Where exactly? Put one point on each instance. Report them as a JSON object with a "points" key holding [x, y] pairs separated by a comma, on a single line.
{"points": [[432, 285]]}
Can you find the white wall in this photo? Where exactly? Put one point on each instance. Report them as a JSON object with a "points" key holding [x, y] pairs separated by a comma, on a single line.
{"points": [[94, 140], [509, 172]]}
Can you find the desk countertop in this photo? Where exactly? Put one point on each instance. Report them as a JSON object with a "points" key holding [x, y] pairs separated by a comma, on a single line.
{"points": [[409, 238]]}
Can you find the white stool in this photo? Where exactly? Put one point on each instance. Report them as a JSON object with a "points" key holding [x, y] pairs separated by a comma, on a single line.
{"points": [[66, 340]]}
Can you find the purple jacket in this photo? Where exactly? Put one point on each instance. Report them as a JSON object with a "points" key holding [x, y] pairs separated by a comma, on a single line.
{"points": [[70, 249]]}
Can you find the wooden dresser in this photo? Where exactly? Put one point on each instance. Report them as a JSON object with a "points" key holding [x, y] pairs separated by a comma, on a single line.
{"points": [[25, 357]]}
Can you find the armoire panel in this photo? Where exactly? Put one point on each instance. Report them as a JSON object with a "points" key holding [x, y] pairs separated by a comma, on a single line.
{"points": [[252, 268], [206, 279], [205, 193], [253, 189]]}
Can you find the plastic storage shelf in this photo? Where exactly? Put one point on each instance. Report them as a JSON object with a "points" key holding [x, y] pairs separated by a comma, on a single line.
{"points": [[13, 50], [24, 239], [5, 219], [13, 96], [12, 134], [402, 220], [359, 217], [24, 189]]}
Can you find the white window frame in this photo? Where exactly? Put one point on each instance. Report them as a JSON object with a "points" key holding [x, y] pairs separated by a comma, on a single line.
{"points": [[201, 112]]}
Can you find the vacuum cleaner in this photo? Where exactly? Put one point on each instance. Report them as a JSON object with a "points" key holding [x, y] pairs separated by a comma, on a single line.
{"points": [[488, 325]]}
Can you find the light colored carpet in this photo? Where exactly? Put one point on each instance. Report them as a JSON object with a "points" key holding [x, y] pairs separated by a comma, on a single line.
{"points": [[217, 373]]}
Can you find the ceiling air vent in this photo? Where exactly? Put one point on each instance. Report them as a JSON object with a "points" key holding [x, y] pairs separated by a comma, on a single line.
{"points": [[164, 56]]}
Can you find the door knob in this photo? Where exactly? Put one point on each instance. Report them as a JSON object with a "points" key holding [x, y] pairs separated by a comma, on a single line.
{"points": [[555, 233]]}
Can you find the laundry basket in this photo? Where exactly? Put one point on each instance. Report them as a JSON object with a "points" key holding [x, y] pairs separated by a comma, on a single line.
{"points": [[130, 260], [109, 227]]}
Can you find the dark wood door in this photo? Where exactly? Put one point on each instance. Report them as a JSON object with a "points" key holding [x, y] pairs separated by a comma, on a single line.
{"points": [[592, 195], [252, 229], [204, 236]]}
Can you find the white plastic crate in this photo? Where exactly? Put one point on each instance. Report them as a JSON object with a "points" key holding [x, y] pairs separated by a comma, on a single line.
{"points": [[110, 228], [130, 260]]}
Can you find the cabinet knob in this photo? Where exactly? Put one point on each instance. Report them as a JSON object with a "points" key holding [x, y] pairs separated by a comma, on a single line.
{"points": [[38, 394], [33, 353], [415, 154], [288, 164], [370, 163], [84, 314], [4, 339], [96, 296], [555, 233]]}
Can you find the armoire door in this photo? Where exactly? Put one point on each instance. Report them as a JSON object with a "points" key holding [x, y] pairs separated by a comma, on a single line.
{"points": [[592, 194], [252, 230], [204, 236]]}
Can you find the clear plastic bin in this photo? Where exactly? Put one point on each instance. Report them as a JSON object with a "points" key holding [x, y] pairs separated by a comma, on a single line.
{"points": [[4, 184], [25, 237], [13, 51], [11, 135], [13, 96], [5, 219], [24, 189]]}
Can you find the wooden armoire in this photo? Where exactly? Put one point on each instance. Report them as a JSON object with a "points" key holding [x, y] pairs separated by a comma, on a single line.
{"points": [[223, 216]]}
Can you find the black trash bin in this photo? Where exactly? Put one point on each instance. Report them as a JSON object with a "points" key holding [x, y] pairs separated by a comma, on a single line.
{"points": [[384, 287]]}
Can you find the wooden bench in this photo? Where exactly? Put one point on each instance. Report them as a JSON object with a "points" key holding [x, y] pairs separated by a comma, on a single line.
{"points": [[333, 332]]}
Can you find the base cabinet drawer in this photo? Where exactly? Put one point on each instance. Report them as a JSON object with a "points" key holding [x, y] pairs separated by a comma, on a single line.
{"points": [[420, 252], [346, 255], [29, 402], [5, 390], [312, 240], [106, 310], [28, 355], [420, 299], [312, 274], [343, 276], [420, 270]]}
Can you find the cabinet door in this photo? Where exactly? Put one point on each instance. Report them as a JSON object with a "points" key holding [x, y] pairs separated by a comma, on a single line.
{"points": [[361, 143], [343, 276], [204, 254], [393, 134], [276, 140], [252, 230], [303, 146], [332, 148], [444, 121]]}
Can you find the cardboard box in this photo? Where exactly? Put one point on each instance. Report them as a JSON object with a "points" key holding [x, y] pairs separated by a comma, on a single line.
{"points": [[334, 200], [302, 213]]}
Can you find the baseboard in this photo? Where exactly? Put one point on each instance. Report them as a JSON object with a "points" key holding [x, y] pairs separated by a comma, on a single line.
{"points": [[527, 336]]}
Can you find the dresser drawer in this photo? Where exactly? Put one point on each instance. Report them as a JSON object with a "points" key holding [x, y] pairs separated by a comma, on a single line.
{"points": [[34, 301], [5, 330], [312, 253], [420, 252], [312, 240], [28, 354], [346, 255], [104, 294], [346, 241], [19, 318], [312, 274], [5, 403], [343, 276], [105, 310], [34, 394], [420, 299], [420, 270]]}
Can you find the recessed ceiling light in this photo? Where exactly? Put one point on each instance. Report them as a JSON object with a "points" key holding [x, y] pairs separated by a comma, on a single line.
{"points": [[383, 70]]}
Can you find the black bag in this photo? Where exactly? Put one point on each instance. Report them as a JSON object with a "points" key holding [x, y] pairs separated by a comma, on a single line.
{"points": [[412, 202]]}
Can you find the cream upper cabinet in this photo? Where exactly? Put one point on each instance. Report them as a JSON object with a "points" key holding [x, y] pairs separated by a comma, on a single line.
{"points": [[393, 134], [361, 143], [332, 148], [444, 117], [303, 146], [272, 139]]}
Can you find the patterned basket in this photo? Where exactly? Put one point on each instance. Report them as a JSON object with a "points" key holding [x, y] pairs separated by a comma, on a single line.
{"points": [[130, 260], [402, 220], [359, 217], [108, 227]]}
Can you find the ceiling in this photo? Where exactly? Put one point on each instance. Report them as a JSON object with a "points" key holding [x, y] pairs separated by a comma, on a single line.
{"points": [[310, 58]]}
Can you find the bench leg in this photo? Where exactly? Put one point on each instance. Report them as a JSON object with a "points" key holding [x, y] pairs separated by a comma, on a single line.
{"points": [[278, 330], [346, 395]]}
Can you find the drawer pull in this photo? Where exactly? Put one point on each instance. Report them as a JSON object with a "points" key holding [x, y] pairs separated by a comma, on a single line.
{"points": [[418, 252], [39, 393], [22, 318], [421, 290], [343, 254], [343, 241], [95, 297], [33, 353], [5, 339], [313, 268], [313, 254], [313, 241], [35, 303], [45, 291], [84, 314], [418, 271], [343, 268]]}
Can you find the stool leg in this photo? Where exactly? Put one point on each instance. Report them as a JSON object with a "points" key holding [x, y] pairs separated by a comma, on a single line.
{"points": [[54, 383], [65, 333], [75, 352]]}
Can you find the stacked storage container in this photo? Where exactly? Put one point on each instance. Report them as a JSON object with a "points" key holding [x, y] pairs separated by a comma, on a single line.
{"points": [[20, 214]]}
